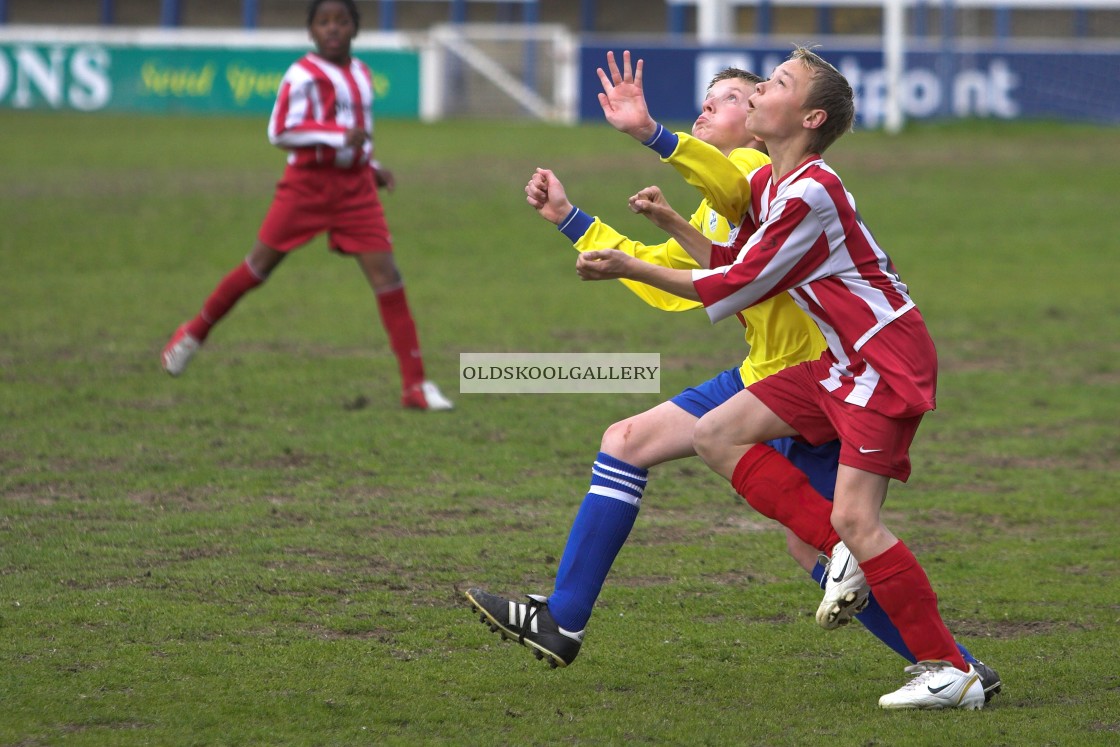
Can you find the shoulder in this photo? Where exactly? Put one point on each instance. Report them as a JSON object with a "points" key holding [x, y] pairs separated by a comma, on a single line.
{"points": [[760, 177], [305, 68], [749, 159], [821, 172], [821, 190], [824, 184], [814, 177]]}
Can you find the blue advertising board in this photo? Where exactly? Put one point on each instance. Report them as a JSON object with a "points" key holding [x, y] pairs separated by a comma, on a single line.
{"points": [[987, 83]]}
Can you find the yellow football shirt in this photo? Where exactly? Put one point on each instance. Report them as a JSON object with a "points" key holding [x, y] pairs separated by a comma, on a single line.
{"points": [[778, 332]]}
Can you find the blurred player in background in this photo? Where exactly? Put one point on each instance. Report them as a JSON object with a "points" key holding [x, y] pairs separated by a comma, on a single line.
{"points": [[324, 117], [717, 159]]}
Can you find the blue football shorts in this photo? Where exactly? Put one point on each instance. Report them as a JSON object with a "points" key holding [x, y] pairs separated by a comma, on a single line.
{"points": [[817, 462]]}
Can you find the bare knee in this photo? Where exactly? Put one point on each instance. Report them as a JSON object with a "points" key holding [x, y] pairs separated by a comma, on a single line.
{"points": [[619, 440], [380, 270], [263, 259], [706, 440], [855, 525], [844, 522]]}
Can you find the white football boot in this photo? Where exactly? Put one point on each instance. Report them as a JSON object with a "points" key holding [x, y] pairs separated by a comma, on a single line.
{"points": [[937, 684], [845, 589], [425, 396], [179, 351]]}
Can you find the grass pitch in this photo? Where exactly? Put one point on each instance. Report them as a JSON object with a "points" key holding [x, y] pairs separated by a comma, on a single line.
{"points": [[269, 551]]}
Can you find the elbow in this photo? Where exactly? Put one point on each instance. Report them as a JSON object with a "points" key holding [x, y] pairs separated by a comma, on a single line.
{"points": [[279, 135]]}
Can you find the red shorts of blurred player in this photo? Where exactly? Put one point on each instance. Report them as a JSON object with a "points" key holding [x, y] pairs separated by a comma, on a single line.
{"points": [[342, 203], [869, 440]]}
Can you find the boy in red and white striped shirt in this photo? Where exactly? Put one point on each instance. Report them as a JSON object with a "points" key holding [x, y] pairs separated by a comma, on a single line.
{"points": [[323, 117], [869, 389]]}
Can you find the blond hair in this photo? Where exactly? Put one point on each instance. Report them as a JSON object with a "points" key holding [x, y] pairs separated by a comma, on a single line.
{"points": [[830, 92], [737, 73]]}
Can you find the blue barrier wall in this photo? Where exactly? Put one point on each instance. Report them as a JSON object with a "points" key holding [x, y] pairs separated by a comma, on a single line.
{"points": [[994, 83]]}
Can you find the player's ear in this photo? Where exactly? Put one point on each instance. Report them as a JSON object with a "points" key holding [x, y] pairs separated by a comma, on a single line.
{"points": [[814, 118]]}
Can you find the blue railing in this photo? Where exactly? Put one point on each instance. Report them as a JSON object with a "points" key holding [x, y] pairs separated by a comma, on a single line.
{"points": [[171, 15], [682, 12], [171, 11]]}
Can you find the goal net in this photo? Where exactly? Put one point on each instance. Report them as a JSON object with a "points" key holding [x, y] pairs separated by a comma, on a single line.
{"points": [[499, 71], [1058, 57]]}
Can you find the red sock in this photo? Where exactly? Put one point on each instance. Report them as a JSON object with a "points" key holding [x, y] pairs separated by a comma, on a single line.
{"points": [[904, 592], [776, 489], [229, 291], [398, 322]]}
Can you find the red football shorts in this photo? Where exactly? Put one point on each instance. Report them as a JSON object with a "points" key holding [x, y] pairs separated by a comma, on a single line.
{"points": [[869, 440], [344, 204]]}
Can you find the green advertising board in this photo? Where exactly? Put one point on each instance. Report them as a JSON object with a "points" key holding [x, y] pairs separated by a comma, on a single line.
{"points": [[91, 76]]}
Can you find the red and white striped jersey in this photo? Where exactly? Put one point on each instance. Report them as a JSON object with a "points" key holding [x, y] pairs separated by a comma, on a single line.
{"points": [[317, 103], [812, 243]]}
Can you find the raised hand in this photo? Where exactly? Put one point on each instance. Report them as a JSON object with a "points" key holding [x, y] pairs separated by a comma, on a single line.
{"points": [[651, 203], [623, 99], [545, 194]]}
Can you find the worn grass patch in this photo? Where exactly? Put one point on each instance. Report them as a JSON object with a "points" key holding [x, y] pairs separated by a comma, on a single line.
{"points": [[269, 551]]}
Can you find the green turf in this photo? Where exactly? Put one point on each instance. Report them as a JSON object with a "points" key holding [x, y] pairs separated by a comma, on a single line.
{"points": [[269, 551]]}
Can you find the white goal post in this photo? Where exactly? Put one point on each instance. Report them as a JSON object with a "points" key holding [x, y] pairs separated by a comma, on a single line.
{"points": [[499, 69]]}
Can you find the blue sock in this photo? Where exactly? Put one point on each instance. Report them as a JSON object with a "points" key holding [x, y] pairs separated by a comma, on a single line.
{"points": [[879, 625], [602, 525]]}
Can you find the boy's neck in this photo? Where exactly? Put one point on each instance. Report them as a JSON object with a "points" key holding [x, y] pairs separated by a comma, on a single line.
{"points": [[339, 62], [787, 156]]}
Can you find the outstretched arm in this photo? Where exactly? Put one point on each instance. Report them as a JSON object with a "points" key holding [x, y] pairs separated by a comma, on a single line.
{"points": [[651, 203], [624, 101], [720, 178], [611, 264], [545, 194]]}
